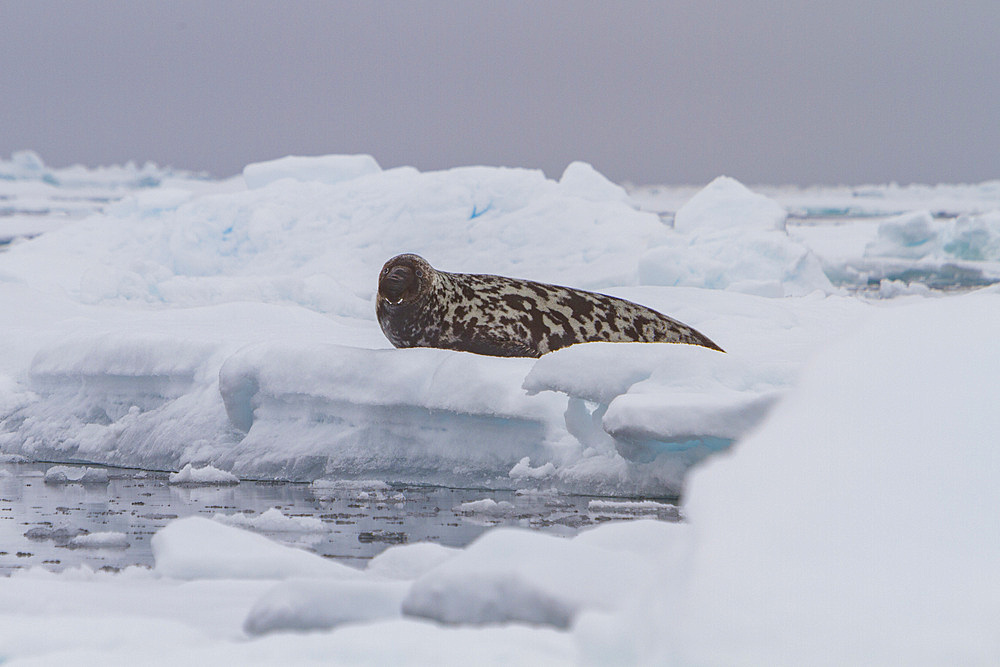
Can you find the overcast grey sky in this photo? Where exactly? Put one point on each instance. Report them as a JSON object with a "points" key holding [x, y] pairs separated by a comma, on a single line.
{"points": [[830, 91]]}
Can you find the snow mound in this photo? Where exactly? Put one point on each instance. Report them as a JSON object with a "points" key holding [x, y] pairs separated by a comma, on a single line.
{"points": [[317, 244], [580, 179], [728, 237], [409, 561], [74, 474], [630, 507], [303, 605], [198, 548], [727, 204], [206, 475], [912, 235], [100, 540], [22, 165], [486, 506], [375, 405], [839, 540], [647, 399], [511, 575], [523, 470], [273, 521], [329, 169]]}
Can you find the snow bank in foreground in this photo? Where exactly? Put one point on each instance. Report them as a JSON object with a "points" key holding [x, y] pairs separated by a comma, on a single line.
{"points": [[483, 584], [320, 605], [819, 526], [816, 527], [197, 548]]}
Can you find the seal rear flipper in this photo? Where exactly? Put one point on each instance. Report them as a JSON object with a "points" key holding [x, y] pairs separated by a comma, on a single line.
{"points": [[703, 340]]}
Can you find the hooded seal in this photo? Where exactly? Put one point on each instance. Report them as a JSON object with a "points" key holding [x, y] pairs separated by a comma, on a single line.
{"points": [[419, 306]]}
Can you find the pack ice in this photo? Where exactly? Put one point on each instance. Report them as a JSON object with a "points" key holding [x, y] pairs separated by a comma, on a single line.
{"points": [[854, 521], [234, 327], [231, 324]]}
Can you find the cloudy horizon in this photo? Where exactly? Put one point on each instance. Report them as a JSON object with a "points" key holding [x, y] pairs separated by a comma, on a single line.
{"points": [[648, 92]]}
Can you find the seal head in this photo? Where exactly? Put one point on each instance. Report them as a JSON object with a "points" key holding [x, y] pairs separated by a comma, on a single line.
{"points": [[404, 279]]}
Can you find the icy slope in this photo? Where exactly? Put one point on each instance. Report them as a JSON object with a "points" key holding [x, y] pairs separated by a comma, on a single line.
{"points": [[235, 327]]}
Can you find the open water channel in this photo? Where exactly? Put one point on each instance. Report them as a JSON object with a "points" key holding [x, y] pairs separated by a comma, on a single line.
{"points": [[39, 520]]}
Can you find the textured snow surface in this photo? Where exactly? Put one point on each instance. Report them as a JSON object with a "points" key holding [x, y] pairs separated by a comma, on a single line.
{"points": [[842, 504]]}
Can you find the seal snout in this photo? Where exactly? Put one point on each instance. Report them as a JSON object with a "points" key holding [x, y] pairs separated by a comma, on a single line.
{"points": [[395, 283]]}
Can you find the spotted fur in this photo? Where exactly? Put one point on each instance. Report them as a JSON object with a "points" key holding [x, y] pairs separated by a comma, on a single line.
{"points": [[419, 306]]}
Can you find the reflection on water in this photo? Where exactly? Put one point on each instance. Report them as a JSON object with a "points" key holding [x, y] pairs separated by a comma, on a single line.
{"points": [[54, 525]]}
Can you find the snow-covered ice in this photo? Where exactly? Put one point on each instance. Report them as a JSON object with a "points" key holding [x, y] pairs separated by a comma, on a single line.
{"points": [[197, 548], [629, 507], [837, 463], [73, 474], [323, 169], [487, 507], [108, 539], [274, 521], [864, 507], [207, 475]]}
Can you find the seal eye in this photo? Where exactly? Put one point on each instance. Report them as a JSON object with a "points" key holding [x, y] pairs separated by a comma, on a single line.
{"points": [[420, 274]]}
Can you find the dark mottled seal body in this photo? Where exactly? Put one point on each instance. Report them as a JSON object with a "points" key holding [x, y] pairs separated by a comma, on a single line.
{"points": [[419, 306]]}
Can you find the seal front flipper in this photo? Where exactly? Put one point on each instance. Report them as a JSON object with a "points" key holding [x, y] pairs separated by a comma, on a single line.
{"points": [[499, 348]]}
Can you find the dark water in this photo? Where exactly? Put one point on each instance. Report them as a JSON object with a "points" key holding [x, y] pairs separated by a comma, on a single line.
{"points": [[39, 520]]}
